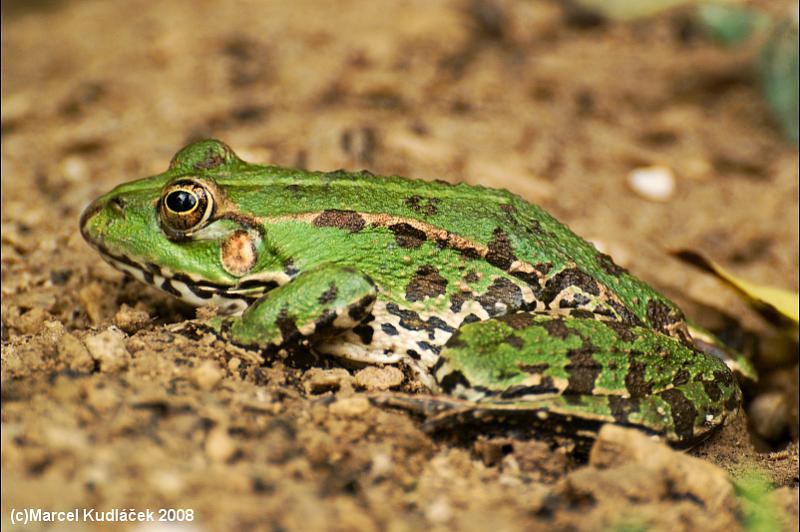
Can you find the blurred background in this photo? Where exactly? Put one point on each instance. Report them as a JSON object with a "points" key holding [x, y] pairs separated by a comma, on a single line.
{"points": [[646, 126]]}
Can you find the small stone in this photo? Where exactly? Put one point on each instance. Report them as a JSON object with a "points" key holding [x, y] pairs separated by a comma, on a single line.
{"points": [[618, 446], [102, 399], [108, 349], [317, 380], [92, 297], [355, 406], [74, 169], [439, 511], [381, 465], [220, 447], [131, 319], [769, 415], [655, 183], [32, 321], [74, 354], [374, 378], [207, 375]]}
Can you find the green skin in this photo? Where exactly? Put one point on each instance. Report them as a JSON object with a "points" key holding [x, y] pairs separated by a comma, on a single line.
{"points": [[493, 305]]}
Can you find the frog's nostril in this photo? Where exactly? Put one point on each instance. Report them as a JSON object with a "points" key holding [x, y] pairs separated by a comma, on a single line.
{"points": [[117, 205]]}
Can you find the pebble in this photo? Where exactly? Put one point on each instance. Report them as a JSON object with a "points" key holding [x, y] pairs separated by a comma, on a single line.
{"points": [[72, 352], [102, 399], [220, 447], [318, 380], [655, 183], [439, 511], [692, 477], [108, 349], [32, 321], [769, 415], [354, 406], [374, 378], [207, 375], [131, 319]]}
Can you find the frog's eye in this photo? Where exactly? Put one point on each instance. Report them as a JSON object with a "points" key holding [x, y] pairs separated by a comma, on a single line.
{"points": [[185, 206]]}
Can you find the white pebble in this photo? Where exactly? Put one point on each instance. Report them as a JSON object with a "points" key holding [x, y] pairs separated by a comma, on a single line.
{"points": [[656, 183]]}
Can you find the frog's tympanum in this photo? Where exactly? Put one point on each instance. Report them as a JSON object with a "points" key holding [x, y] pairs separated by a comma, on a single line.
{"points": [[486, 300]]}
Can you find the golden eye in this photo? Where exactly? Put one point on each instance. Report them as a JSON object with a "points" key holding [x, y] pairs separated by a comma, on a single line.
{"points": [[185, 206]]}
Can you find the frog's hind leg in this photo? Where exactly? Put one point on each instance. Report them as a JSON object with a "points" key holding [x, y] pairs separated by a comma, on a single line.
{"points": [[570, 375]]}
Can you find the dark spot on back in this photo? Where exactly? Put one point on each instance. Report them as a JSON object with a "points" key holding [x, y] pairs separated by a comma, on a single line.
{"points": [[471, 277], [533, 368], [508, 208], [683, 413], [514, 341], [501, 297], [661, 316], [557, 328], [469, 253], [426, 283], [407, 236], [635, 381], [518, 320], [567, 278], [426, 206], [530, 278], [609, 266], [328, 295], [711, 387], [470, 318], [625, 315], [583, 371], [500, 253], [347, 220], [457, 300], [622, 331], [289, 268]]}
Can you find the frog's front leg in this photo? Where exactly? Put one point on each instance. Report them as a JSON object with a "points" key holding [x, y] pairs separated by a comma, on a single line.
{"points": [[317, 304], [567, 375]]}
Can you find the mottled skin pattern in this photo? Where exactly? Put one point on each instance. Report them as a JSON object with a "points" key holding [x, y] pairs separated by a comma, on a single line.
{"points": [[485, 297]]}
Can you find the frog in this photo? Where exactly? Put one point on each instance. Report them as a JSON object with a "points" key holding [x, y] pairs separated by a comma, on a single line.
{"points": [[495, 310]]}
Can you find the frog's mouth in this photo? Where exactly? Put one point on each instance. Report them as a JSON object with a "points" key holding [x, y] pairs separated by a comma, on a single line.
{"points": [[231, 299]]}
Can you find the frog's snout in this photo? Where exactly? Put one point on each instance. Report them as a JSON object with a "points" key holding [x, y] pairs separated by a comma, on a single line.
{"points": [[89, 222]]}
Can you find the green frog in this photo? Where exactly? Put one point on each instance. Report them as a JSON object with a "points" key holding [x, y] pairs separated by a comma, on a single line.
{"points": [[483, 299]]}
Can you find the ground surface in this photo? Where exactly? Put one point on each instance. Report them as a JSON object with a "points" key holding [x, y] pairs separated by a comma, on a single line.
{"points": [[552, 104]]}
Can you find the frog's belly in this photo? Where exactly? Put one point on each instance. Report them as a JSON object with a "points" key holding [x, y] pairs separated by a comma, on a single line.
{"points": [[402, 334]]}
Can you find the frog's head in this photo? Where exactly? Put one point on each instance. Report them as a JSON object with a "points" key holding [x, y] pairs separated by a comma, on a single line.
{"points": [[179, 231]]}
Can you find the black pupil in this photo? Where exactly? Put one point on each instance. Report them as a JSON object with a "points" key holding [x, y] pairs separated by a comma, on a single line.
{"points": [[181, 201]]}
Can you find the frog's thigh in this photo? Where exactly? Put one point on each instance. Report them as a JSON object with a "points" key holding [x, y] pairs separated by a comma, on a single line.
{"points": [[582, 370], [316, 304]]}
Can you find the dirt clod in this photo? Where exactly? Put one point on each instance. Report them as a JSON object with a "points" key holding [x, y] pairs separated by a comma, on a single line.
{"points": [[108, 349], [374, 378]]}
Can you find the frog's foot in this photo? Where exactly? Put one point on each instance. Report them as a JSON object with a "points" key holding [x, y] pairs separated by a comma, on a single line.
{"points": [[570, 375]]}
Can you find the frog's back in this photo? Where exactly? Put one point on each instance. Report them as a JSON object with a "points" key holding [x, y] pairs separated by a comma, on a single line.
{"points": [[509, 233]]}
